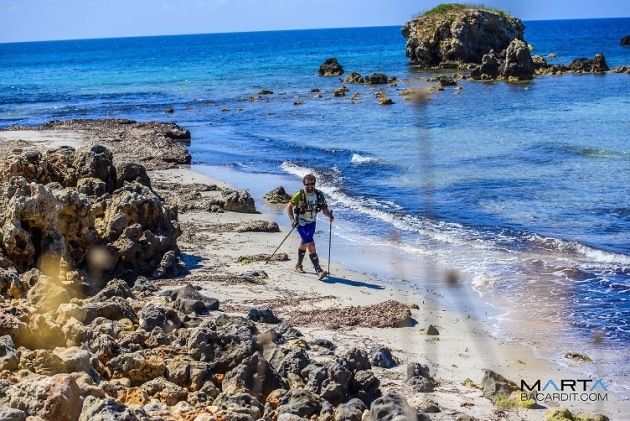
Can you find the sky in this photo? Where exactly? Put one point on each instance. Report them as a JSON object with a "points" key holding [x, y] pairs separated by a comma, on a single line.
{"points": [[40, 20]]}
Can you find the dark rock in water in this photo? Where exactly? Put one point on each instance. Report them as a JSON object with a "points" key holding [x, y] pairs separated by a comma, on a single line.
{"points": [[625, 40], [518, 63], [443, 80], [577, 356], [376, 79], [448, 65], [330, 68], [539, 62], [277, 195], [381, 356], [489, 68], [354, 77], [514, 63], [581, 65], [340, 92], [599, 63], [262, 314], [584, 65]]}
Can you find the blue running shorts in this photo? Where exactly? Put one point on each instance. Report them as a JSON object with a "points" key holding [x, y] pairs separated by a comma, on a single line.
{"points": [[306, 232]]}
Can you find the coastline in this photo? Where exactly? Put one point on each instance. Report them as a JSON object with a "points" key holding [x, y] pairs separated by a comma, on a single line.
{"points": [[462, 350], [465, 347]]}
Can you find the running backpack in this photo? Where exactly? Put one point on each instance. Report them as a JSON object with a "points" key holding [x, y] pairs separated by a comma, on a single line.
{"points": [[301, 208]]}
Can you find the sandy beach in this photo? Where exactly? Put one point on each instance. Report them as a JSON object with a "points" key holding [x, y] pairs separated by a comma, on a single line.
{"points": [[463, 348], [344, 308]]}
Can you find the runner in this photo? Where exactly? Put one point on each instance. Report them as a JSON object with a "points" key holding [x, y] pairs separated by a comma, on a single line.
{"points": [[302, 210]]}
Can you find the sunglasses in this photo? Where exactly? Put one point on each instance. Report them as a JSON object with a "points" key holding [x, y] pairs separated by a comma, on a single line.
{"points": [[309, 184]]}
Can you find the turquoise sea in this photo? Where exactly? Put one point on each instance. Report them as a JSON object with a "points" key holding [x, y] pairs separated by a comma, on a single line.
{"points": [[522, 190]]}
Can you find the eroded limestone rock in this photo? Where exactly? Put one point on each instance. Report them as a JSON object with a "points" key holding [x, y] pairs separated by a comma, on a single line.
{"points": [[51, 398], [461, 36], [69, 215]]}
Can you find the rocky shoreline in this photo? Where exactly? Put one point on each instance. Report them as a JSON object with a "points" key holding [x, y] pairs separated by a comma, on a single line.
{"points": [[98, 340], [123, 296], [152, 144]]}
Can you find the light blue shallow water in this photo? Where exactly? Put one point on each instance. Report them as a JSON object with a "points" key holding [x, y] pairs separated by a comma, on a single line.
{"points": [[520, 188]]}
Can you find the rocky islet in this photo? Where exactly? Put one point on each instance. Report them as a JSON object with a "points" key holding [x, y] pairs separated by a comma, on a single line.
{"points": [[487, 43]]}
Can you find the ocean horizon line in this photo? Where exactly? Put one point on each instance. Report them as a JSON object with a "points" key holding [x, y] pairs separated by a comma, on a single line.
{"points": [[271, 31]]}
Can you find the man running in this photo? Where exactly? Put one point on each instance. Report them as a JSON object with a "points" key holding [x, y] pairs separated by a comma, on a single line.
{"points": [[302, 210]]}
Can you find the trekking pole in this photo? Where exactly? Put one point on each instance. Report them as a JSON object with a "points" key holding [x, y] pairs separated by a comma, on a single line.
{"points": [[285, 238], [329, 240]]}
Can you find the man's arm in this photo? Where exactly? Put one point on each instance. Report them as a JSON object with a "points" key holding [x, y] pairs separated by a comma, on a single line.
{"points": [[289, 209], [328, 213]]}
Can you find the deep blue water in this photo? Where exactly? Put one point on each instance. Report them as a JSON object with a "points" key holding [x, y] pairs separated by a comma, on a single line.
{"points": [[520, 188]]}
